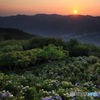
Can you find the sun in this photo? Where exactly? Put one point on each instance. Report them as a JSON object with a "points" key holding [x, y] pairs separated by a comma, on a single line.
{"points": [[75, 11]]}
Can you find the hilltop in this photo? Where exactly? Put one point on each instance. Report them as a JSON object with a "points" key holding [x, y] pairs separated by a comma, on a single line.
{"points": [[12, 33]]}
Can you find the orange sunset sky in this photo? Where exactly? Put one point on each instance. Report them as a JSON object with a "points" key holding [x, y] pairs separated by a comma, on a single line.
{"points": [[61, 7]]}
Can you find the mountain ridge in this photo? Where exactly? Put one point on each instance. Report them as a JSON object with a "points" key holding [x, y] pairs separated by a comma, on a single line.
{"points": [[53, 25]]}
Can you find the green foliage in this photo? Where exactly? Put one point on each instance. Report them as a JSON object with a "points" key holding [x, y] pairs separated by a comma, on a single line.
{"points": [[82, 69], [96, 65], [57, 78], [52, 52], [31, 55], [15, 60], [40, 42], [9, 48], [14, 88], [30, 93], [66, 85], [11, 33], [51, 80], [81, 51], [77, 49], [76, 71], [7, 60], [93, 59], [72, 43], [98, 70], [19, 43], [23, 62]]}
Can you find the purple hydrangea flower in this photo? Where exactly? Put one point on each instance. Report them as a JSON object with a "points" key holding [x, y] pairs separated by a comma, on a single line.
{"points": [[78, 84], [50, 92], [18, 82], [94, 98], [99, 86], [53, 97], [11, 80], [59, 98], [22, 86], [8, 94], [74, 98], [97, 96], [1, 95], [95, 75], [56, 85]]}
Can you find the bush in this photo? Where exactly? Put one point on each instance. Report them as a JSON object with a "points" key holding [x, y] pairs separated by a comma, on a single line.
{"points": [[40, 42], [23, 62], [98, 70], [96, 65], [10, 48], [17, 59], [92, 59], [66, 84], [77, 49], [30, 93], [82, 69], [7, 60], [52, 52]]}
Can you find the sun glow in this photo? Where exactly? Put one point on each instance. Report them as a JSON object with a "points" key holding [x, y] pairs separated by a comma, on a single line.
{"points": [[75, 11]]}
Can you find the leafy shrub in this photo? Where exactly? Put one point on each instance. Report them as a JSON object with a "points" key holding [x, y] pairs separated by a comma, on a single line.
{"points": [[71, 44], [96, 65], [13, 43], [74, 79], [31, 56], [50, 84], [30, 93], [14, 88], [17, 59], [10, 48], [98, 70], [82, 69], [77, 49], [81, 51], [7, 59], [40, 42], [76, 71], [52, 52], [97, 54], [6, 95], [23, 62], [66, 84], [93, 59]]}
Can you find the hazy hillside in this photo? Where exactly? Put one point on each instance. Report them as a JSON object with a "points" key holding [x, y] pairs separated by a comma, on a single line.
{"points": [[11, 33], [84, 28]]}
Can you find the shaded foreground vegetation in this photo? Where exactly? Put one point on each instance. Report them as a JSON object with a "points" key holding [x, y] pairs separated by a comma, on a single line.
{"points": [[48, 69]]}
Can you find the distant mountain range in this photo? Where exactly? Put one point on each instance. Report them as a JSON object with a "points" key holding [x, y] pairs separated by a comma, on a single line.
{"points": [[84, 28], [11, 33]]}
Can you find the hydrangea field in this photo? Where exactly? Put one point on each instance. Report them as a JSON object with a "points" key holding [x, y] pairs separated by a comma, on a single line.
{"points": [[53, 80]]}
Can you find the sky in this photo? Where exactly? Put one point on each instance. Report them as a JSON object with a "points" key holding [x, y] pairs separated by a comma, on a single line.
{"points": [[61, 7]]}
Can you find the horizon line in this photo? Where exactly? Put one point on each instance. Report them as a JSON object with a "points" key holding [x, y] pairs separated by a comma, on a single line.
{"points": [[47, 14]]}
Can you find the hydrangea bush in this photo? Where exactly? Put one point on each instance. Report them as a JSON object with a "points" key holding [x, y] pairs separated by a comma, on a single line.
{"points": [[52, 81]]}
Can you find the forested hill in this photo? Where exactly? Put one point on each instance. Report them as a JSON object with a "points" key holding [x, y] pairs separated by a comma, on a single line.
{"points": [[12, 33]]}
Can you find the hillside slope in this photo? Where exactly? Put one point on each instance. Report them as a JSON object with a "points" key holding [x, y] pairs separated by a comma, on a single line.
{"points": [[12, 33]]}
